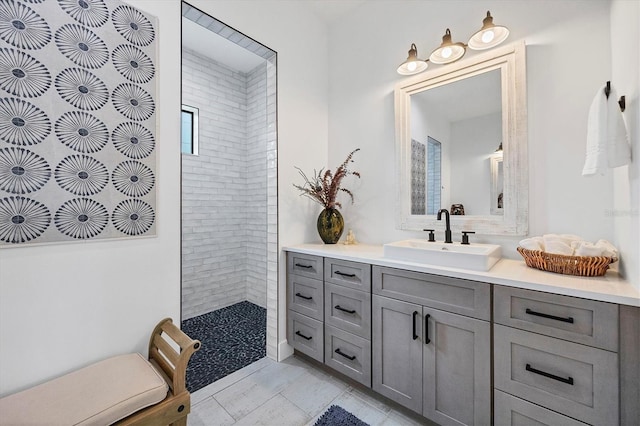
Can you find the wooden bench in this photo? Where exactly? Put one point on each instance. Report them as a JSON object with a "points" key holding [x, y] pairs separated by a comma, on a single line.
{"points": [[122, 390]]}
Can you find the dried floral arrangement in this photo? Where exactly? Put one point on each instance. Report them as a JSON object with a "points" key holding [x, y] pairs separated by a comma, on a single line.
{"points": [[323, 187]]}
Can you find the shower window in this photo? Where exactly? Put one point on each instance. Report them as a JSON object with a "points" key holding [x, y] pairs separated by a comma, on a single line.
{"points": [[189, 130]]}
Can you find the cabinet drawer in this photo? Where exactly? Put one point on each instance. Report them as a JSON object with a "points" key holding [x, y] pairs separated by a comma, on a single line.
{"points": [[348, 309], [305, 265], [348, 354], [305, 296], [306, 335], [576, 380], [349, 274], [470, 298], [512, 411], [578, 320]]}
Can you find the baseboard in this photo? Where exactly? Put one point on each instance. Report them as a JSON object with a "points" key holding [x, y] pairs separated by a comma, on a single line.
{"points": [[285, 350]]}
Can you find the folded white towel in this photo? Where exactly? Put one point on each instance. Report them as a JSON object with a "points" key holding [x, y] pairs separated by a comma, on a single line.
{"points": [[533, 243], [585, 248], [570, 238], [557, 247], [607, 136], [608, 249], [563, 238]]}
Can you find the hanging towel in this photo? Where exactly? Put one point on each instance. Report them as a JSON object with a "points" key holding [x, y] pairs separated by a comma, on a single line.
{"points": [[607, 137]]}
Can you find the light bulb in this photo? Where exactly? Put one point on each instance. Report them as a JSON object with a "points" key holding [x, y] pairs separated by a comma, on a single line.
{"points": [[446, 52], [411, 66], [488, 36]]}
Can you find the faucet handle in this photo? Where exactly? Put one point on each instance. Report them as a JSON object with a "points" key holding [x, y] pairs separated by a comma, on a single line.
{"points": [[432, 236], [465, 237]]}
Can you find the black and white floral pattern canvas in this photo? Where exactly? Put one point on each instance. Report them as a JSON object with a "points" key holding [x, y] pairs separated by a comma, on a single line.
{"points": [[77, 121]]}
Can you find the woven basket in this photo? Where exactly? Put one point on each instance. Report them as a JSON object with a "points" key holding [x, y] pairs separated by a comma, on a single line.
{"points": [[584, 266]]}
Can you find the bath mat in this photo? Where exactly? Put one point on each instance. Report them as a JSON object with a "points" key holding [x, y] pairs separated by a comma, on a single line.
{"points": [[338, 416], [231, 338]]}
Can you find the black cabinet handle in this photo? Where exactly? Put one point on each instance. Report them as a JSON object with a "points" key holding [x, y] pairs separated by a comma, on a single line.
{"points": [[349, 311], [304, 297], [568, 380], [303, 336], [300, 265], [349, 357], [426, 329], [345, 275], [415, 335], [553, 317]]}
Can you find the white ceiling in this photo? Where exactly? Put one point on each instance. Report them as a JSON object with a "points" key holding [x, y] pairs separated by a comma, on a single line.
{"points": [[211, 45]]}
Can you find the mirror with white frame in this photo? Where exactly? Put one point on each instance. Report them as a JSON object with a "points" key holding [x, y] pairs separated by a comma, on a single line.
{"points": [[461, 145]]}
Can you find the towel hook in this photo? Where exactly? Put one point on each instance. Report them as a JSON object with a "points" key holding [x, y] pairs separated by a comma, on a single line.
{"points": [[622, 101]]}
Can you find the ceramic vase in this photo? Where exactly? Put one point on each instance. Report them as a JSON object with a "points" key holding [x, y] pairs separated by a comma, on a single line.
{"points": [[330, 225]]}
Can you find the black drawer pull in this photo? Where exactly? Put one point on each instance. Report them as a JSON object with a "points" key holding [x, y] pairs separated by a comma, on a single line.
{"points": [[426, 328], [303, 336], [304, 297], [415, 334], [300, 265], [349, 357], [568, 380], [345, 275], [553, 317], [349, 311]]}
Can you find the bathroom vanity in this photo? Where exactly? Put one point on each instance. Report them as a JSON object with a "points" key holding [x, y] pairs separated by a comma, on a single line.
{"points": [[503, 347]]}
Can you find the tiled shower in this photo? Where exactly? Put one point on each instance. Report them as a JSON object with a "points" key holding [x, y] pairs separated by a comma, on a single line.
{"points": [[229, 189]]}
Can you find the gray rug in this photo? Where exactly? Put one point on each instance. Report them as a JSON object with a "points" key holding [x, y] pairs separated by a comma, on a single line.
{"points": [[338, 416]]}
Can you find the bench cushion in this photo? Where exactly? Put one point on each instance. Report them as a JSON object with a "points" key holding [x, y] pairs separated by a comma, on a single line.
{"points": [[99, 394]]}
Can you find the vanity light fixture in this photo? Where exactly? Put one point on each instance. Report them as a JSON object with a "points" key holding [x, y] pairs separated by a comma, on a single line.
{"points": [[490, 35], [413, 65], [448, 51]]}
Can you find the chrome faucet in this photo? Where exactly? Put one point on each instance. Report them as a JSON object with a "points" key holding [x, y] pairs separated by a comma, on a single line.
{"points": [[447, 231]]}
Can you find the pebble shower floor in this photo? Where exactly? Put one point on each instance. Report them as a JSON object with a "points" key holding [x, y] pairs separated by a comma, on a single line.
{"points": [[231, 337]]}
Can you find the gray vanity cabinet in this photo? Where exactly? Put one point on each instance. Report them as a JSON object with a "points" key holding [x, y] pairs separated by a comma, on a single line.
{"points": [[434, 362], [456, 369], [305, 303], [557, 352], [397, 351], [347, 318]]}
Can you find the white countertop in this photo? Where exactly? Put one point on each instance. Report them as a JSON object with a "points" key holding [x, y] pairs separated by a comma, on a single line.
{"points": [[513, 273]]}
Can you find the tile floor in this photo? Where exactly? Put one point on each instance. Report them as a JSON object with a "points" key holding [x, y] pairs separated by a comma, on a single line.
{"points": [[289, 393], [231, 338]]}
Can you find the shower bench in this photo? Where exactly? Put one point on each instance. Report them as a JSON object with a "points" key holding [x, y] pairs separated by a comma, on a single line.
{"points": [[122, 390]]}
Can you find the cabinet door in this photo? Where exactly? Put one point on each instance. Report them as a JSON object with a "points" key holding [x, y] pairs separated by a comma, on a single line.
{"points": [[512, 411], [457, 369], [397, 351]]}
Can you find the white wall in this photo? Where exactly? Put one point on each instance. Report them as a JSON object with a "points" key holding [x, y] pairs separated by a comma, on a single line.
{"points": [[428, 121], [300, 39], [625, 78], [568, 54], [64, 306], [472, 142], [214, 188], [256, 197]]}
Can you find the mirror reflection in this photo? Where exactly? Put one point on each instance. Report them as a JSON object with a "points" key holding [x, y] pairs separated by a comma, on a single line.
{"points": [[456, 130], [461, 145]]}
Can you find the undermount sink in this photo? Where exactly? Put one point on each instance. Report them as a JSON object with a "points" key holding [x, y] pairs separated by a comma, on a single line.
{"points": [[479, 257]]}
